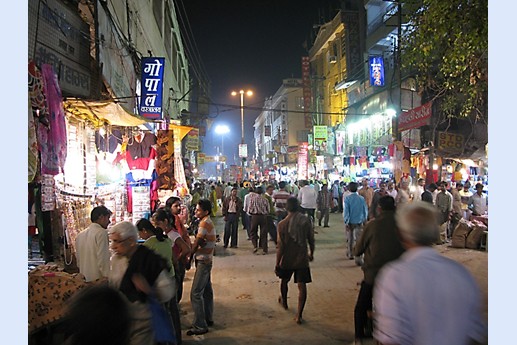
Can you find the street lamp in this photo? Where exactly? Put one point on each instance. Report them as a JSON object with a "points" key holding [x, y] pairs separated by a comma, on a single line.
{"points": [[248, 93], [222, 130]]}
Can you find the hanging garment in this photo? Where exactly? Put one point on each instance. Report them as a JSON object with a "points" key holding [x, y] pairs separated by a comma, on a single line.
{"points": [[37, 92], [33, 147], [52, 140], [140, 153]]}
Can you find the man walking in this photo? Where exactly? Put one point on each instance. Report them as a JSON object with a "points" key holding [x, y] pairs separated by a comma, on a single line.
{"points": [[355, 214], [295, 233], [423, 297], [92, 246], [280, 197], [380, 244], [232, 207], [379, 193], [324, 204], [258, 208], [308, 199], [367, 193]]}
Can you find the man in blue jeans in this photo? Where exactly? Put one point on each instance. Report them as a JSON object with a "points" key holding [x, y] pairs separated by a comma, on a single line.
{"points": [[201, 294], [355, 213]]}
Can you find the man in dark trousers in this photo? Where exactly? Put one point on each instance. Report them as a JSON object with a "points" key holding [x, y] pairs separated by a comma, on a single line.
{"points": [[232, 208], [380, 244]]}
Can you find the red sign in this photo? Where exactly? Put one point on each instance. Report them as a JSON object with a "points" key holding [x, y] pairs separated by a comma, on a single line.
{"points": [[415, 118], [306, 81], [303, 150]]}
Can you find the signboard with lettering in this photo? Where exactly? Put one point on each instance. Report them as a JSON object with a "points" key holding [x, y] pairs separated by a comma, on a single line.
{"points": [[243, 150], [376, 70], [192, 140], [320, 135], [201, 158], [415, 118], [307, 94], [57, 37], [303, 161], [152, 85], [450, 142]]}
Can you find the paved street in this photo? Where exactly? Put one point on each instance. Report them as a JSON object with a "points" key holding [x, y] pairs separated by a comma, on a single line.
{"points": [[246, 292]]}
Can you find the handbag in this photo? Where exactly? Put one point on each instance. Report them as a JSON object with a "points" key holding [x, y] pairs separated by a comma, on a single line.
{"points": [[162, 325]]}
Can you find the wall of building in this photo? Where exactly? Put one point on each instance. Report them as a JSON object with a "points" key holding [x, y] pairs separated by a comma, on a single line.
{"points": [[140, 29]]}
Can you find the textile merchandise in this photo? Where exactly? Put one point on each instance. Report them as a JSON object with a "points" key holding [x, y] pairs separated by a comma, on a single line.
{"points": [[49, 289]]}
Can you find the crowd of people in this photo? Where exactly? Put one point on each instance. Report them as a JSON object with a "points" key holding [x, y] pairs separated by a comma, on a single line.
{"points": [[389, 230]]}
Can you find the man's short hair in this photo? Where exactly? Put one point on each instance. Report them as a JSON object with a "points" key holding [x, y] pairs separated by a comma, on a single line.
{"points": [[352, 186], [387, 203], [281, 184], [292, 204], [98, 212], [418, 223], [432, 187], [479, 185], [205, 205]]}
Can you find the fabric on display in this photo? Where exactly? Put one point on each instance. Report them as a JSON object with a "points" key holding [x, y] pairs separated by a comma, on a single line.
{"points": [[140, 152], [37, 91], [165, 159], [49, 290], [52, 140], [32, 158]]}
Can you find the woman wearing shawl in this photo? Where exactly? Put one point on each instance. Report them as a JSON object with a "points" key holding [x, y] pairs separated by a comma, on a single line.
{"points": [[295, 232]]}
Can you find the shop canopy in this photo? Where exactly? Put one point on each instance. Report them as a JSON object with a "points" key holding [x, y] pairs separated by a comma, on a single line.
{"points": [[100, 113]]}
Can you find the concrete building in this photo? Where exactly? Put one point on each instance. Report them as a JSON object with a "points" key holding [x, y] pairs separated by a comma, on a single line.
{"points": [[280, 127]]}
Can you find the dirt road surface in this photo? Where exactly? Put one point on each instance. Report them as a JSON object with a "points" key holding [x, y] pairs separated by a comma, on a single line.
{"points": [[246, 291]]}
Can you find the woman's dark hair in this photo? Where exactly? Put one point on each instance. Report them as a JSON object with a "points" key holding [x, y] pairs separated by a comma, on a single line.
{"points": [[171, 201], [145, 224]]}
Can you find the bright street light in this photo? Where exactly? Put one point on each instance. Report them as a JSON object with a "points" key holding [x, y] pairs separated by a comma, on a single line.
{"points": [[248, 93]]}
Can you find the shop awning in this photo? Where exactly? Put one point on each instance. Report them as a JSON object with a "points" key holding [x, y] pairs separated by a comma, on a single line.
{"points": [[100, 113]]}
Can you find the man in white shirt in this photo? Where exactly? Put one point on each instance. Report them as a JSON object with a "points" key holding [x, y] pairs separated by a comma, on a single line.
{"points": [[479, 201], [308, 200], [420, 188], [92, 246]]}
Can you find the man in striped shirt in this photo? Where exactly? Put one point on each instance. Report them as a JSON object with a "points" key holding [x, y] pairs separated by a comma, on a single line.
{"points": [[280, 199], [258, 208]]}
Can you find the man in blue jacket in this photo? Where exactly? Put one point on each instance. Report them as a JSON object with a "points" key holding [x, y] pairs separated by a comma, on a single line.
{"points": [[355, 214]]}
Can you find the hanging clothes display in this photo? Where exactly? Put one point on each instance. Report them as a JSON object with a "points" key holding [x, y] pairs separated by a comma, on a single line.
{"points": [[32, 158], [52, 140], [165, 159]]}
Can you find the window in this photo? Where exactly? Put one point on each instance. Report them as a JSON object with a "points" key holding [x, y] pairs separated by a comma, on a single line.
{"points": [[158, 14]]}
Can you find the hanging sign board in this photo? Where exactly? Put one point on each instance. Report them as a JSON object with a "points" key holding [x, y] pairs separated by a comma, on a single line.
{"points": [[376, 64], [415, 118], [152, 86], [243, 150]]}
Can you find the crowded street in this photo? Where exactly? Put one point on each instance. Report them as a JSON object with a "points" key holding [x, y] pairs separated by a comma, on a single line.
{"points": [[271, 172], [246, 291]]}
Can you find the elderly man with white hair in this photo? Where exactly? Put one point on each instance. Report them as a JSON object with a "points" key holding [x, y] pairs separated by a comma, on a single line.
{"points": [[424, 297], [138, 273]]}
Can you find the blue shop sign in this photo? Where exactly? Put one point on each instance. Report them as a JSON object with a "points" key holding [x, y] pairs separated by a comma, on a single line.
{"points": [[376, 71], [152, 87]]}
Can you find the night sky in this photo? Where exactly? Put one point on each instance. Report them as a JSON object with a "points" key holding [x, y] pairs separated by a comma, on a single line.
{"points": [[250, 45]]}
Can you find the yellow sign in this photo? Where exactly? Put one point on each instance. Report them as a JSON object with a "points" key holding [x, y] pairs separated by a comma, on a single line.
{"points": [[450, 141]]}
